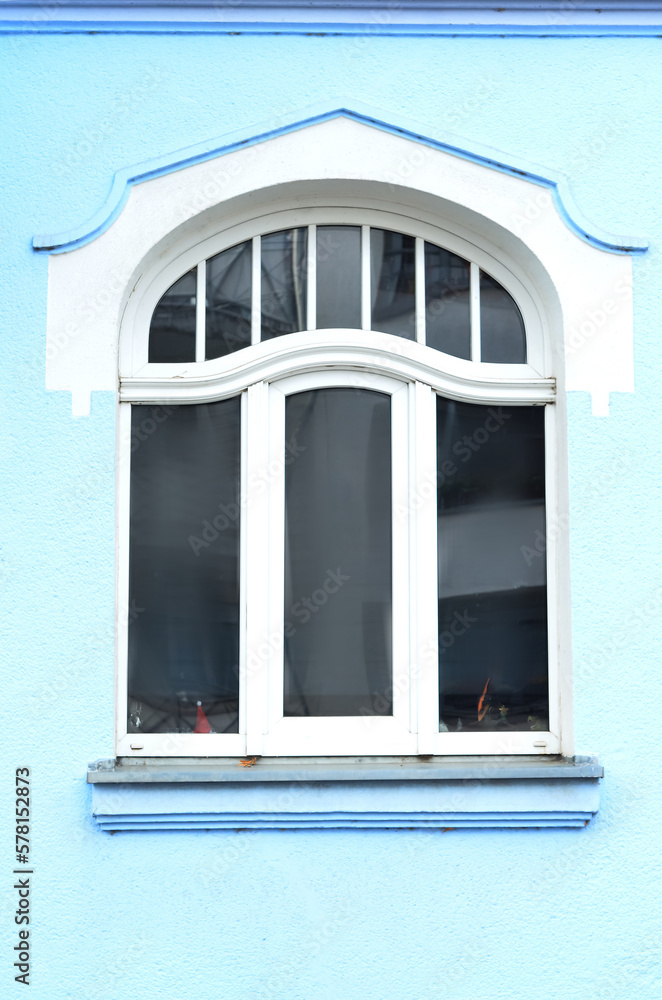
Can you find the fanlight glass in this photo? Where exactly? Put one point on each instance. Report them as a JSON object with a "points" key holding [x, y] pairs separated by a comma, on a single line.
{"points": [[453, 307]]}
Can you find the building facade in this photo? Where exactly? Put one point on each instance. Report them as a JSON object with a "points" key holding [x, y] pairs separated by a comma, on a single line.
{"points": [[331, 546]]}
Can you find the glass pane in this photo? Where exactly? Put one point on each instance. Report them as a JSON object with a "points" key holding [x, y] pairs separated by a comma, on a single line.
{"points": [[502, 335], [229, 300], [184, 569], [447, 319], [492, 573], [338, 277], [172, 330], [338, 553], [393, 282], [284, 281]]}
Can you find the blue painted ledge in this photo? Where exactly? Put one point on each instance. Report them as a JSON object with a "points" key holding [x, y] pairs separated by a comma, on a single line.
{"points": [[354, 793]]}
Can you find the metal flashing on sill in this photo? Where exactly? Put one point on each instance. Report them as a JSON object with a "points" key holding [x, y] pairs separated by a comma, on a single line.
{"points": [[231, 770], [344, 793]]}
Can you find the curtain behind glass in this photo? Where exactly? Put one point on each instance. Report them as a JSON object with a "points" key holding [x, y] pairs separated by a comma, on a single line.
{"points": [[184, 568], [492, 572], [338, 554]]}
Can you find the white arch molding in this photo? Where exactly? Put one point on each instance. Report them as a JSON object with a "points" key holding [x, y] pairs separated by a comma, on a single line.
{"points": [[579, 297]]}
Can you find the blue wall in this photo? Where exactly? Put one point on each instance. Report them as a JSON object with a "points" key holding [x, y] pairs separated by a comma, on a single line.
{"points": [[558, 914]]}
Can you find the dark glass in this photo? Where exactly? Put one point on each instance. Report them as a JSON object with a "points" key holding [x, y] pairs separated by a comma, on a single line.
{"points": [[172, 330], [393, 269], [284, 282], [184, 568], [338, 554], [228, 326], [492, 573], [447, 316], [338, 277], [502, 335]]}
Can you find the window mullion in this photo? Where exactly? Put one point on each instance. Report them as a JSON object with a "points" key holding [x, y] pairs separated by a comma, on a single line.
{"points": [[423, 535], [474, 299], [366, 283], [256, 291], [256, 533], [420, 289], [201, 311], [311, 271]]}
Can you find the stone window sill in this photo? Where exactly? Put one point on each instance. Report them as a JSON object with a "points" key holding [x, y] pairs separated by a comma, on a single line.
{"points": [[344, 793]]}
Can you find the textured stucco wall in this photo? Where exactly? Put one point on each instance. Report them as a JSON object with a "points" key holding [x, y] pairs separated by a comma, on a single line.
{"points": [[559, 915]]}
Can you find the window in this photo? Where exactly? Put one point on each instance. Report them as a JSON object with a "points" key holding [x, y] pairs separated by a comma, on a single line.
{"points": [[342, 455]]}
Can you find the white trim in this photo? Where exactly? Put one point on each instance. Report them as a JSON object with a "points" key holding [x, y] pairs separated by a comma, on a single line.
{"points": [[379, 353]]}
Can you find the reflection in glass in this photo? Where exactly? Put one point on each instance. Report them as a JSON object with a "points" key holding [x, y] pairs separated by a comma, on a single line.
{"points": [[172, 330], [393, 269], [502, 335], [284, 278], [338, 554], [228, 325], [184, 569], [338, 277], [491, 570], [447, 318]]}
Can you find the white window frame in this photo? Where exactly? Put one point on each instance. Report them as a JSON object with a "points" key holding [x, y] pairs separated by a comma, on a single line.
{"points": [[264, 373]]}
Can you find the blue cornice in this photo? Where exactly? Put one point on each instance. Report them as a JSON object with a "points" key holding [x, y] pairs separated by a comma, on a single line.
{"points": [[580, 18], [127, 177]]}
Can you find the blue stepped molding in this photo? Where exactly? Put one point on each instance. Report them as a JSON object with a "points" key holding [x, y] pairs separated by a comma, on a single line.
{"points": [[275, 794], [125, 178], [379, 17], [345, 805]]}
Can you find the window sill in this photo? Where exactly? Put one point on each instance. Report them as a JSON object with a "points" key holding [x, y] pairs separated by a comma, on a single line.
{"points": [[344, 793]]}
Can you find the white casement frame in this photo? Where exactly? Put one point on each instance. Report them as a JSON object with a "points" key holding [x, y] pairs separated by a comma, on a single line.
{"points": [[412, 373]]}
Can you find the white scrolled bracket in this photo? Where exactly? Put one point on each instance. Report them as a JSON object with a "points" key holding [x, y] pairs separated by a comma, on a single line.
{"points": [[582, 285]]}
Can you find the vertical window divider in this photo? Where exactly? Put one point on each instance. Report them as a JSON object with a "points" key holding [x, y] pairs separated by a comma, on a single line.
{"points": [[554, 539], [311, 300], [420, 289], [366, 289], [123, 528], [423, 547], [201, 311], [256, 291], [256, 533], [474, 298], [243, 538]]}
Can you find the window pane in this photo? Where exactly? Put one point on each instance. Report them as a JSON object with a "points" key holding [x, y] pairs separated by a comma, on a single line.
{"points": [[229, 301], [172, 330], [184, 568], [338, 277], [447, 319], [492, 573], [502, 335], [393, 283], [284, 280], [338, 553]]}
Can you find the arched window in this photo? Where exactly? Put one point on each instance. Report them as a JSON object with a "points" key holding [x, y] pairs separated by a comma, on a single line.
{"points": [[342, 431]]}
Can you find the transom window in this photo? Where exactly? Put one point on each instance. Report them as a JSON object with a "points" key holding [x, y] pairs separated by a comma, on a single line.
{"points": [[341, 461], [320, 277]]}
